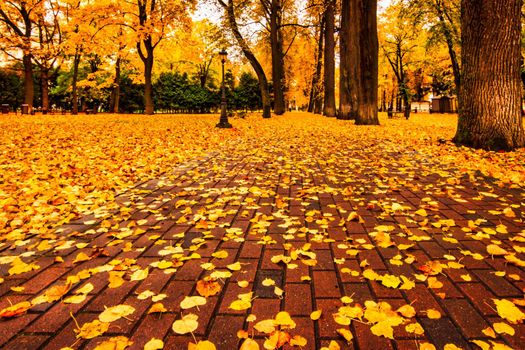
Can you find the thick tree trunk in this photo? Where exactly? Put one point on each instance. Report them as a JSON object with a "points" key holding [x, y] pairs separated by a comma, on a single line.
{"points": [[29, 92], [148, 85], [369, 53], [277, 57], [349, 57], [329, 61], [490, 94], [314, 91], [76, 63], [257, 67], [44, 86]]}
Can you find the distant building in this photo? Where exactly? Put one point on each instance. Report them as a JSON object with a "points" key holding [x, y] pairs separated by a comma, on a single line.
{"points": [[420, 107], [444, 104]]}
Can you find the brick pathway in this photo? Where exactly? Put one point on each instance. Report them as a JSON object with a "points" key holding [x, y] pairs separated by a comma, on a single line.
{"points": [[279, 200]]}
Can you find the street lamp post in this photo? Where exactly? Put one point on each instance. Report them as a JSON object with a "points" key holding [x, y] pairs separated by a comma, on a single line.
{"points": [[223, 121]]}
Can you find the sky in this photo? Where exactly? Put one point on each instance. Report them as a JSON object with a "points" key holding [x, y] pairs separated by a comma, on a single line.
{"points": [[207, 10]]}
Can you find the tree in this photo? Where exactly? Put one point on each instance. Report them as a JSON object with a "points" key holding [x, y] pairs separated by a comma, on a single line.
{"points": [[490, 92], [229, 9], [441, 17], [151, 20], [16, 32], [368, 59], [247, 93], [360, 55], [349, 67], [329, 60], [316, 90]]}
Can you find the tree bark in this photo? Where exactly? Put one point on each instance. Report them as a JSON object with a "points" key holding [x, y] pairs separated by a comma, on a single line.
{"points": [[44, 85], [257, 67], [276, 42], [29, 92], [456, 71], [490, 94], [315, 91], [329, 61], [148, 85], [349, 57], [76, 63], [368, 59], [115, 93]]}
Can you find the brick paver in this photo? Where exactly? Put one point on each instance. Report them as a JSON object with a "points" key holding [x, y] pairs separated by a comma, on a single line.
{"points": [[256, 204]]}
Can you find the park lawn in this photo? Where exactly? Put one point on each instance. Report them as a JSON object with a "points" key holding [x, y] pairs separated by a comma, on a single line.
{"points": [[55, 169]]}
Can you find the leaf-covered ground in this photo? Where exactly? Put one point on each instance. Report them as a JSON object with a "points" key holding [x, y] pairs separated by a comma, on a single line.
{"points": [[295, 232]]}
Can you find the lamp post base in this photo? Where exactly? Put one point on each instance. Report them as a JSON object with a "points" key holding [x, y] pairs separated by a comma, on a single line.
{"points": [[224, 125]]}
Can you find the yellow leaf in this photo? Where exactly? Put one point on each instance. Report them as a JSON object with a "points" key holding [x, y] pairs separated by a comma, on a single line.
{"points": [[489, 332], [383, 328], [508, 311], [115, 343], [415, 328], [434, 283], [345, 333], [390, 281], [265, 326], [407, 311], [284, 320], [75, 299], [208, 288], [426, 346], [222, 254], [154, 344], [19, 267], [451, 347], [494, 249], [189, 302], [139, 275], [202, 345], [91, 330], [157, 307], [158, 297], [116, 312], [503, 328], [187, 324], [15, 310], [297, 340], [243, 284], [315, 315], [115, 279], [483, 345], [267, 282], [249, 344], [433, 314], [240, 305], [234, 267], [81, 257]]}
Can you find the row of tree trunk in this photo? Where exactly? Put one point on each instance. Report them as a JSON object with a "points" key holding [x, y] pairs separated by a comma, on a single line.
{"points": [[358, 62]]}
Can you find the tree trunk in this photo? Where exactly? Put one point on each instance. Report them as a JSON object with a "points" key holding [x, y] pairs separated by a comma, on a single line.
{"points": [[490, 94], [329, 61], [369, 56], [261, 76], [314, 91], [277, 57], [349, 57], [450, 46], [148, 85], [115, 93], [29, 92], [44, 85], [76, 63]]}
